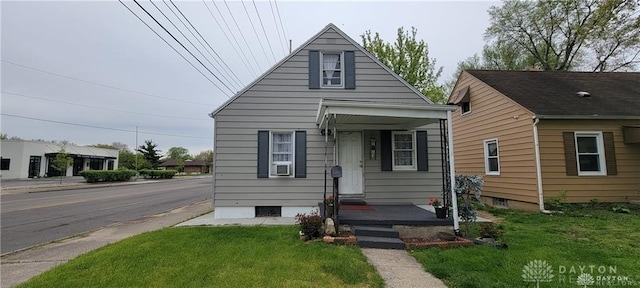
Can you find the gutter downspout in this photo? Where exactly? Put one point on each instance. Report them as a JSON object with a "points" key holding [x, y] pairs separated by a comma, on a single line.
{"points": [[536, 142], [452, 175]]}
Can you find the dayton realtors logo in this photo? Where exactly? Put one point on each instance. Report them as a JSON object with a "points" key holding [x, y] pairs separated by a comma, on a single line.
{"points": [[540, 271]]}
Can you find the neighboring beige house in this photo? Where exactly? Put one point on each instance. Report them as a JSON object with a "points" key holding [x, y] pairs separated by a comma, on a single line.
{"points": [[537, 134], [23, 159], [274, 140]]}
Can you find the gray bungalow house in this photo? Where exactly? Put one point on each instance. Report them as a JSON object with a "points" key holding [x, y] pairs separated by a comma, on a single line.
{"points": [[329, 102]]}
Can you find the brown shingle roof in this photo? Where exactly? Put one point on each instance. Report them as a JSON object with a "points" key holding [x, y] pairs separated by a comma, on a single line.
{"points": [[554, 92], [174, 162]]}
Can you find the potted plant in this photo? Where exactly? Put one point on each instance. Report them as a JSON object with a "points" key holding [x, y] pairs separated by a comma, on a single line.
{"points": [[328, 206], [441, 212]]}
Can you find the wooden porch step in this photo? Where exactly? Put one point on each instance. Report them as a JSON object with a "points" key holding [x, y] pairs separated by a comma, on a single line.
{"points": [[374, 231], [380, 242]]}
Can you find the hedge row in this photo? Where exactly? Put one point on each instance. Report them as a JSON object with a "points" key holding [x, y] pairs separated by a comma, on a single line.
{"points": [[158, 174], [107, 175]]}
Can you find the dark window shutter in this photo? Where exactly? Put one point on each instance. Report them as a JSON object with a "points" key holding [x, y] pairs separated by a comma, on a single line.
{"points": [[314, 70], [301, 154], [385, 151], [422, 154], [610, 153], [349, 70], [571, 163], [263, 154]]}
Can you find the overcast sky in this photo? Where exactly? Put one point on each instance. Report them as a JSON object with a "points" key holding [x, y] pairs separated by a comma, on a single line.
{"points": [[94, 63]]}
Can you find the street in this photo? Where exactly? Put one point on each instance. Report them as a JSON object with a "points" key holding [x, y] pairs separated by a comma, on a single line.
{"points": [[30, 219]]}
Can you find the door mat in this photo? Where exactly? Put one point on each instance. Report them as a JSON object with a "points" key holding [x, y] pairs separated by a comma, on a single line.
{"points": [[356, 207]]}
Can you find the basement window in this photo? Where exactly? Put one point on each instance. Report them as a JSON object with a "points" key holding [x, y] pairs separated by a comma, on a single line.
{"points": [[268, 211]]}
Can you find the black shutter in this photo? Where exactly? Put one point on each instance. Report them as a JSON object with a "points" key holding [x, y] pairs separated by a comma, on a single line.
{"points": [[610, 153], [263, 154], [570, 160], [385, 151], [301, 154], [349, 70], [422, 153], [314, 70]]}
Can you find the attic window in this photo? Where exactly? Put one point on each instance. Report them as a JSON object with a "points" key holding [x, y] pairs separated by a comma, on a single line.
{"points": [[583, 94]]}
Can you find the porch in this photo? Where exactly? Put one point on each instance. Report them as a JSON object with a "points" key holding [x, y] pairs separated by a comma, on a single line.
{"points": [[388, 215]]}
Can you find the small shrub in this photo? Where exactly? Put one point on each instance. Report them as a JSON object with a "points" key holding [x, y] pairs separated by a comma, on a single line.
{"points": [[490, 230], [557, 202], [157, 174], [310, 224], [620, 209], [92, 176]]}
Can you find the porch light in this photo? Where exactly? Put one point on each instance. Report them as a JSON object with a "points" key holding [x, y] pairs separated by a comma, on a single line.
{"points": [[373, 148]]}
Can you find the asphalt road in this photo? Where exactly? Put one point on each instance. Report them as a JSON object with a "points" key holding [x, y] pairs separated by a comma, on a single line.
{"points": [[30, 219]]}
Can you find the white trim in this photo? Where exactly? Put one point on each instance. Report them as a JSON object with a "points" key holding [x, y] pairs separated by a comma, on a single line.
{"points": [[341, 86], [395, 167], [452, 174], [486, 156], [601, 157], [293, 154]]}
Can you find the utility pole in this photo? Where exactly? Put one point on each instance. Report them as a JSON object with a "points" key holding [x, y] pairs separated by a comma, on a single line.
{"points": [[136, 151]]}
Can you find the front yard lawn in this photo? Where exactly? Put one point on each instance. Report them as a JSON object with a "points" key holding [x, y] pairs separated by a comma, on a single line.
{"points": [[215, 257], [584, 247]]}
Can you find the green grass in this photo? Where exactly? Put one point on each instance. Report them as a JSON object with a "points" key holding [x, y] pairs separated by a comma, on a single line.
{"points": [[215, 257], [585, 235]]}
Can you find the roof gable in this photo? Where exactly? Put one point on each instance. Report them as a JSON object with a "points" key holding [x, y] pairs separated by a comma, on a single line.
{"points": [[329, 28], [554, 93]]}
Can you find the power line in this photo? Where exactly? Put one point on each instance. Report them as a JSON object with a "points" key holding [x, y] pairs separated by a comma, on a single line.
{"points": [[239, 82], [243, 57], [241, 34], [102, 108], [263, 30], [99, 127], [254, 30], [185, 48], [281, 23], [275, 21], [174, 49], [194, 46], [103, 85]]}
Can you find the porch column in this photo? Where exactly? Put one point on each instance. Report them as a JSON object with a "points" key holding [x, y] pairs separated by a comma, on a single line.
{"points": [[452, 175]]}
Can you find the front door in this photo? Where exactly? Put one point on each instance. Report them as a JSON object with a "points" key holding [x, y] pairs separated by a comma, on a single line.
{"points": [[34, 166], [350, 158]]}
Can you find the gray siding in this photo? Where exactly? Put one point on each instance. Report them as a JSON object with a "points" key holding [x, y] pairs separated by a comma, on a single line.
{"points": [[283, 101]]}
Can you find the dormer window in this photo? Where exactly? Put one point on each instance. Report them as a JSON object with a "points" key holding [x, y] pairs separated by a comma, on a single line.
{"points": [[332, 69]]}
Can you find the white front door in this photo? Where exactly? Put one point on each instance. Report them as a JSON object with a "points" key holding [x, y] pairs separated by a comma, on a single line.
{"points": [[350, 158]]}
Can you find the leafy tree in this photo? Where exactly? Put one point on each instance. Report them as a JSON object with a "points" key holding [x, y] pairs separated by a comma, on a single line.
{"points": [[62, 162], [3, 136], [178, 153], [127, 159], [409, 58], [150, 153], [566, 35], [206, 156], [180, 164]]}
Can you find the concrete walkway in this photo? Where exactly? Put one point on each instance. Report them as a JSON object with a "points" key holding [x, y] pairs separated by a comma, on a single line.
{"points": [[400, 270]]}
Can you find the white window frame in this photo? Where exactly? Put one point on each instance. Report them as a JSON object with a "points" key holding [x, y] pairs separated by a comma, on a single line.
{"points": [[465, 113], [413, 150], [341, 70], [601, 156], [486, 156], [272, 164]]}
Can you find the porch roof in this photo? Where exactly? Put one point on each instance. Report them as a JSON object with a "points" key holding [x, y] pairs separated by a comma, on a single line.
{"points": [[352, 114]]}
